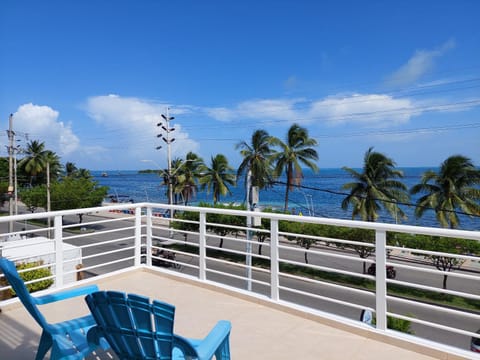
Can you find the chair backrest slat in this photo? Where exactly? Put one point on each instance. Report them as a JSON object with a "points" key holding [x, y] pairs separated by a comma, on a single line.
{"points": [[134, 327]]}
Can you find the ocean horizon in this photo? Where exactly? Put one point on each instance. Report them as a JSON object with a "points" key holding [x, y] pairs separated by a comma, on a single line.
{"points": [[321, 194]]}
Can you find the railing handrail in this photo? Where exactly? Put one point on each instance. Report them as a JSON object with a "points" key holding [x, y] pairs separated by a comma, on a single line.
{"points": [[400, 228]]}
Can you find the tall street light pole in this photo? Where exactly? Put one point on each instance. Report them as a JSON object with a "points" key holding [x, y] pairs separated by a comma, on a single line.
{"points": [[11, 135], [168, 140]]}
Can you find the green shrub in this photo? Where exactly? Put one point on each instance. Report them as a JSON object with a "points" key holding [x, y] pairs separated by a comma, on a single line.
{"points": [[397, 324], [33, 275]]}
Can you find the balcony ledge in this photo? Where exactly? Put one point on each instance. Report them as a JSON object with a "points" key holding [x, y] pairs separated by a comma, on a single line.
{"points": [[261, 328]]}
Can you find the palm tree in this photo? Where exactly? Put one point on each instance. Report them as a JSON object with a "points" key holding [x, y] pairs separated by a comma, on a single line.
{"points": [[297, 150], [452, 188], [217, 177], [257, 159], [375, 187], [70, 169], [53, 162], [34, 161], [188, 177], [83, 173], [174, 173]]}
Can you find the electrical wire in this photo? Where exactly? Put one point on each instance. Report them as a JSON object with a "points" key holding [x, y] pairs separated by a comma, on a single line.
{"points": [[382, 200]]}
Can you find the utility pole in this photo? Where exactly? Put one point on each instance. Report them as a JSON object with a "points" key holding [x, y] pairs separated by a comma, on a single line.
{"points": [[168, 140], [11, 135], [248, 244], [48, 197], [252, 205]]}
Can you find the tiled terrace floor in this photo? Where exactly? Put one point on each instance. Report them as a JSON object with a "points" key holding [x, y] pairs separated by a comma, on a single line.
{"points": [[259, 330]]}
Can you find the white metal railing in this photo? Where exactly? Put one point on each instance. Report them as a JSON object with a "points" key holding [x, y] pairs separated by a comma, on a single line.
{"points": [[332, 282]]}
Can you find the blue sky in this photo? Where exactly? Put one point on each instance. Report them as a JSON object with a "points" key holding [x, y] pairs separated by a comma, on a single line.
{"points": [[92, 78]]}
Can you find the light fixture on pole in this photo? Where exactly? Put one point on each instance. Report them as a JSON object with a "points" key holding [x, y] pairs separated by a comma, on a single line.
{"points": [[168, 140]]}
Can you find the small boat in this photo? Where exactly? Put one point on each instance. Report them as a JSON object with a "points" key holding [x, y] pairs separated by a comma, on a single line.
{"points": [[104, 174]]}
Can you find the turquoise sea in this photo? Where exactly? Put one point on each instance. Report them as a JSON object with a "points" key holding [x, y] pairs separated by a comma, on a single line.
{"points": [[321, 195]]}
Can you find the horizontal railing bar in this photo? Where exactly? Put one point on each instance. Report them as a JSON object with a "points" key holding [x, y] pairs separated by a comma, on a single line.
{"points": [[106, 242], [324, 298], [435, 307], [437, 253], [436, 271], [313, 237], [238, 240], [327, 269], [228, 226], [328, 284], [316, 252], [238, 252], [432, 324], [93, 256], [239, 265], [96, 266], [434, 289], [238, 277]]}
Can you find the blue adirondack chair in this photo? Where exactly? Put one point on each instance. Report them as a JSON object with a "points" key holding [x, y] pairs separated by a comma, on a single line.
{"points": [[67, 339], [139, 329]]}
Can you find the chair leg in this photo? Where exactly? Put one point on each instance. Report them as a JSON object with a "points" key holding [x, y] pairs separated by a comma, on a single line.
{"points": [[45, 345], [223, 351]]}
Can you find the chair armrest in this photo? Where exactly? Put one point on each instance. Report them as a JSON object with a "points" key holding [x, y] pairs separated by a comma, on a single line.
{"points": [[63, 327], [66, 294], [207, 347]]}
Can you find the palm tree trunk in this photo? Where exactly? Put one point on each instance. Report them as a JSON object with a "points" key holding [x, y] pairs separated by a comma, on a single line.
{"points": [[445, 281], [289, 181], [286, 197]]}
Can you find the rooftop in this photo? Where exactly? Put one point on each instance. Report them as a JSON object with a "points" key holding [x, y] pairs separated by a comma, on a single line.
{"points": [[260, 329]]}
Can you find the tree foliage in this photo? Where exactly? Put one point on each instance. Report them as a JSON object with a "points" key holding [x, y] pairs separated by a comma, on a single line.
{"points": [[217, 177], [297, 150], [70, 193], [257, 158], [453, 188], [187, 175], [376, 187]]}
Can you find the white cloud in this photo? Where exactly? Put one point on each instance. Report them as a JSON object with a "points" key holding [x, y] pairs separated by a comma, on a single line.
{"points": [[276, 109], [220, 113], [41, 123], [419, 64], [363, 108], [352, 108], [132, 124]]}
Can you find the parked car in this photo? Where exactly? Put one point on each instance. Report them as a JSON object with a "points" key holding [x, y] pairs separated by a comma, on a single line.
{"points": [[475, 343], [391, 272]]}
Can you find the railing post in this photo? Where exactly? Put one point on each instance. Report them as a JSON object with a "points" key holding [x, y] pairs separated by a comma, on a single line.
{"points": [[381, 279], [149, 237], [248, 250], [202, 246], [138, 236], [274, 264], [58, 239]]}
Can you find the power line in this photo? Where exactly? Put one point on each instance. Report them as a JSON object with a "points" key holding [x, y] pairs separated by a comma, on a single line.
{"points": [[382, 200]]}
